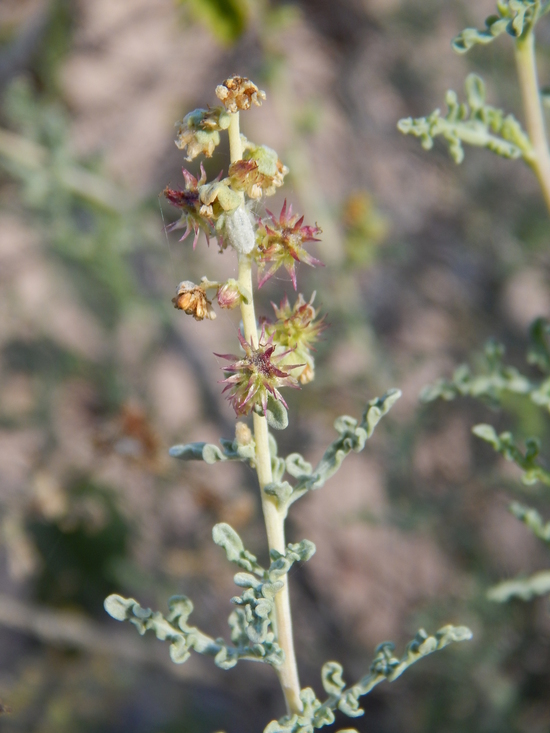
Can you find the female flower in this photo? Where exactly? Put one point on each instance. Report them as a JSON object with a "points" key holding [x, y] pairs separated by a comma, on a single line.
{"points": [[190, 203], [256, 377], [280, 244], [295, 331]]}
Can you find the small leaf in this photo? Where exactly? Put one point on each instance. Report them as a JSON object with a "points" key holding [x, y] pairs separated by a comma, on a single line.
{"points": [[118, 607], [487, 433], [276, 414], [297, 466], [331, 676], [225, 536], [179, 652], [189, 452], [282, 491], [212, 454], [475, 91], [523, 588]]}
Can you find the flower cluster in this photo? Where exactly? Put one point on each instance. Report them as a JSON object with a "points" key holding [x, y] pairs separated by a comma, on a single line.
{"points": [[280, 243], [259, 173], [199, 131], [222, 207], [296, 330], [256, 376]]}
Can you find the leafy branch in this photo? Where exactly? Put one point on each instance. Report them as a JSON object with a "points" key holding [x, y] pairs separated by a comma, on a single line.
{"points": [[506, 446], [474, 122], [352, 437], [523, 588], [252, 633], [539, 583], [515, 17], [532, 519], [385, 666], [495, 379]]}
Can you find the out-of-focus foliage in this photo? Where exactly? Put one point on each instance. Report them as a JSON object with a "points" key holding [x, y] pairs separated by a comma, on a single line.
{"points": [[227, 19], [475, 123]]}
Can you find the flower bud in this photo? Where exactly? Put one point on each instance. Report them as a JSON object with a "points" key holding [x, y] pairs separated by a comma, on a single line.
{"points": [[243, 434], [198, 132], [192, 299], [229, 295]]}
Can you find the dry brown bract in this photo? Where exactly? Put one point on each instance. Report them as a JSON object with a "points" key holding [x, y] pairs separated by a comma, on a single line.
{"points": [[238, 92], [192, 299]]}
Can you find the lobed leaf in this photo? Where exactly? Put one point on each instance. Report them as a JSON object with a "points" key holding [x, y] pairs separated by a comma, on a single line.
{"points": [[210, 453], [225, 536]]}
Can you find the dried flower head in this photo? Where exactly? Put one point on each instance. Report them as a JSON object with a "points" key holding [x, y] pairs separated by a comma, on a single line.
{"points": [[189, 202], [296, 330], [192, 299], [280, 244], [256, 376], [238, 92], [199, 131]]}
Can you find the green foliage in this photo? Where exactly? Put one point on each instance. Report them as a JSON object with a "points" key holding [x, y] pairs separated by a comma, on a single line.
{"points": [[352, 437], [539, 353], [226, 19], [532, 519], [539, 583], [474, 122], [252, 632], [523, 588], [515, 17], [505, 445], [210, 453], [385, 666], [495, 379]]}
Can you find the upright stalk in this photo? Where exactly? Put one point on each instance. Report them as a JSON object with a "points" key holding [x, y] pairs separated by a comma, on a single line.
{"points": [[534, 114], [274, 518]]}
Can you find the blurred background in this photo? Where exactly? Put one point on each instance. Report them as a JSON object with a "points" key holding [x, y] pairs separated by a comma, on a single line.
{"points": [[99, 375]]}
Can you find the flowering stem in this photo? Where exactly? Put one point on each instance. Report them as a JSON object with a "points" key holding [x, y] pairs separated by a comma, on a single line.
{"points": [[534, 117], [274, 518]]}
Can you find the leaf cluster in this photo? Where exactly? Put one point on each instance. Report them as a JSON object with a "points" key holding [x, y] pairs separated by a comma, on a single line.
{"points": [[491, 383], [473, 122], [252, 633], [385, 666]]}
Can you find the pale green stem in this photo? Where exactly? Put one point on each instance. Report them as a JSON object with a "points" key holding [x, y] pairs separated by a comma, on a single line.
{"points": [[533, 112], [273, 516]]}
